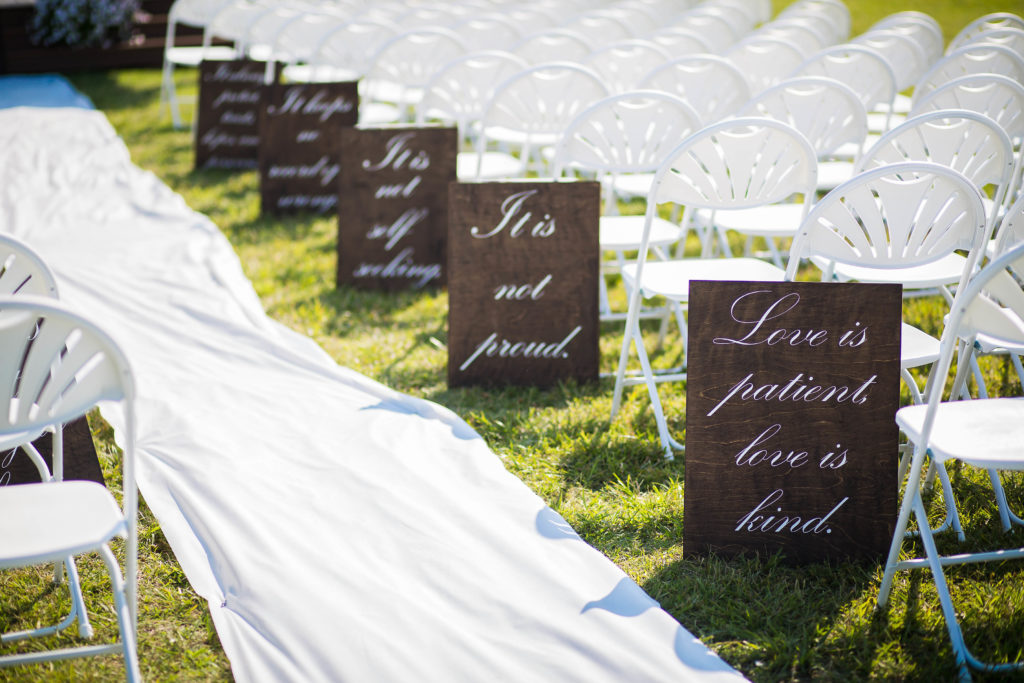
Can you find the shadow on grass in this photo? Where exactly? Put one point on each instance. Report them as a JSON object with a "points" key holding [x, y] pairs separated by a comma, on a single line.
{"points": [[111, 93]]}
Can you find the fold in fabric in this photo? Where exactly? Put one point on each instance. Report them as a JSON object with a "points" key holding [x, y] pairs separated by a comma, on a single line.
{"points": [[338, 530]]}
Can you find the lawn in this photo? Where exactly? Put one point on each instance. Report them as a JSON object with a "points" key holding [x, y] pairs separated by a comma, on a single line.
{"points": [[607, 478]]}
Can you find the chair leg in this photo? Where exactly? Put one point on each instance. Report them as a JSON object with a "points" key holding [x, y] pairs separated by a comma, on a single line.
{"points": [[125, 621]]}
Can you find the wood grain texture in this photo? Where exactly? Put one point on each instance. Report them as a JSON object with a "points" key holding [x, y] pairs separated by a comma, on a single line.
{"points": [[300, 145], [80, 460], [227, 117], [393, 206], [791, 442], [523, 269]]}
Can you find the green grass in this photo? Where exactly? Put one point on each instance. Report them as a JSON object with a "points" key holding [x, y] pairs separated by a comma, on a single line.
{"points": [[608, 479]]}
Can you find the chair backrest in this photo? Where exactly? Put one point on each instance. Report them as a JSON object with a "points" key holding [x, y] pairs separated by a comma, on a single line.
{"points": [[830, 13], [411, 58], [489, 32], [764, 60], [715, 28], [461, 89], [894, 216], [350, 47], [626, 133], [599, 27], [56, 365], [23, 271], [905, 55], [866, 72], [735, 164], [827, 112], [920, 27], [543, 98], [553, 45], [985, 23], [967, 141], [800, 32], [1012, 38], [624, 64], [678, 41], [1011, 227], [712, 85], [973, 58], [299, 38], [998, 97]]}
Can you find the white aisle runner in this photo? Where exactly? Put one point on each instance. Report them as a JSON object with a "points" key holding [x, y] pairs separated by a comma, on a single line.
{"points": [[338, 529]]}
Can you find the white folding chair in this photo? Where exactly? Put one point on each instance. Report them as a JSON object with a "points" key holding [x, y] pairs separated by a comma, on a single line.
{"points": [[733, 164], [553, 45], [985, 23], [56, 366], [829, 115], [599, 27], [680, 42], [530, 110], [1012, 38], [985, 433], [831, 14], [457, 94], [973, 58], [716, 28], [626, 134], [919, 26], [488, 32], [712, 85], [625, 63], [764, 60]]}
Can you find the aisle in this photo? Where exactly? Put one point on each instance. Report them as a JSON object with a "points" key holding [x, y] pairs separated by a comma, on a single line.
{"points": [[338, 529]]}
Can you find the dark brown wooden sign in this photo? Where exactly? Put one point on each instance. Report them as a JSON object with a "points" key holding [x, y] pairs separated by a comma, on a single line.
{"points": [[393, 205], [300, 144], [522, 286], [228, 115], [791, 442], [80, 461]]}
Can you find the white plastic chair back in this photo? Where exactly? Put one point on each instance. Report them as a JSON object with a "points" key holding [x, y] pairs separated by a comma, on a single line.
{"points": [[23, 271], [553, 45], [904, 54], [461, 89], [1012, 38], [489, 32], [827, 112], [895, 216], [985, 23], [799, 32], [866, 72], [297, 40], [829, 13], [624, 64], [432, 16], [737, 163], [998, 97], [629, 132], [920, 27], [714, 28], [679, 41], [346, 52], [403, 64], [966, 141], [974, 58], [764, 61], [599, 27], [712, 85]]}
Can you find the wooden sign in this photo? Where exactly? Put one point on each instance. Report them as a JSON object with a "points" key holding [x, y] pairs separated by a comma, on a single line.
{"points": [[393, 206], [300, 144], [522, 285], [791, 442], [80, 461], [228, 115]]}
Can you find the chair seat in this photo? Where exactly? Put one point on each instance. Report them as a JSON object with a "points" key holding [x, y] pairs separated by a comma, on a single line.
{"points": [[318, 73], [47, 522], [773, 220], [671, 279], [945, 271], [495, 165], [509, 136], [917, 348], [633, 184], [375, 113], [972, 431], [622, 233], [192, 56], [9, 441]]}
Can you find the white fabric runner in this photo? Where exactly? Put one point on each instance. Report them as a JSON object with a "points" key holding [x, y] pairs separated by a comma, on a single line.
{"points": [[338, 529]]}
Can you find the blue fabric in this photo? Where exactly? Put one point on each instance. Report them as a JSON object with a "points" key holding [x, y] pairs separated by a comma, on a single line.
{"points": [[45, 90]]}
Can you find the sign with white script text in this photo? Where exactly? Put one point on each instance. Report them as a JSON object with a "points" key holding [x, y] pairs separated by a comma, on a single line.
{"points": [[228, 114], [791, 442], [522, 290], [393, 206], [300, 145], [80, 461]]}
